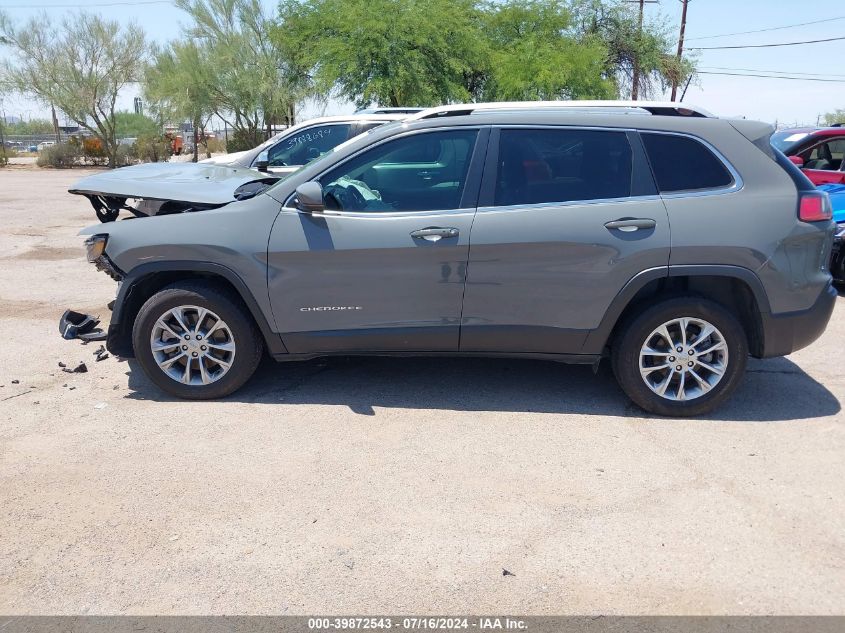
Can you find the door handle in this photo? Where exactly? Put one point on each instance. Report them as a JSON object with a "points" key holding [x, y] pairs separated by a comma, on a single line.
{"points": [[434, 233], [425, 175], [631, 224]]}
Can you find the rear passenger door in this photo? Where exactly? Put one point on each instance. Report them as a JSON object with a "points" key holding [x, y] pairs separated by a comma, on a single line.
{"points": [[567, 216]]}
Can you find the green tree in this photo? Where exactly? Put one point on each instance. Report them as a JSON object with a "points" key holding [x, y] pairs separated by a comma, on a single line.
{"points": [[830, 118], [79, 66], [390, 52], [179, 86], [535, 55], [33, 126], [132, 124], [616, 25], [253, 84]]}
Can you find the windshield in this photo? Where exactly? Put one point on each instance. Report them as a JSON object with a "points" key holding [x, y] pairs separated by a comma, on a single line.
{"points": [[283, 177], [332, 151], [787, 138]]}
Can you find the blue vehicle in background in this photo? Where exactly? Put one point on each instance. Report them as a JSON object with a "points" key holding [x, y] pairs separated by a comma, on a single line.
{"points": [[837, 201]]}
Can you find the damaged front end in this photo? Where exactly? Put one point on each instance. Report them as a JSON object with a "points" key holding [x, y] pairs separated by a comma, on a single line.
{"points": [[156, 189], [78, 325], [95, 247]]}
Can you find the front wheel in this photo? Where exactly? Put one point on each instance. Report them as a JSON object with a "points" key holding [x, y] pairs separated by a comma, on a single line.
{"points": [[196, 341], [680, 357]]}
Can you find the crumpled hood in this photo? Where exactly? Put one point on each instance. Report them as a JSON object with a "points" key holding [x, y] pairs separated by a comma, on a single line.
{"points": [[200, 183]]}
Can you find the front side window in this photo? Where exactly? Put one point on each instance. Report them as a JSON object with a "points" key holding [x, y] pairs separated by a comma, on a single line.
{"points": [[681, 163], [307, 145], [546, 165], [423, 172]]}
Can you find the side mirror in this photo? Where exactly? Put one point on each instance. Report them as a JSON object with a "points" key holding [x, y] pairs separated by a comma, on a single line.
{"points": [[309, 197], [797, 160], [263, 161]]}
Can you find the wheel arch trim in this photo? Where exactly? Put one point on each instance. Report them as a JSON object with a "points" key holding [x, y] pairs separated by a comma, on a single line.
{"points": [[598, 338], [118, 329]]}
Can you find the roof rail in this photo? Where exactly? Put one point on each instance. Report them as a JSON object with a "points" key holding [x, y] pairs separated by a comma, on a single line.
{"points": [[391, 110], [658, 108]]}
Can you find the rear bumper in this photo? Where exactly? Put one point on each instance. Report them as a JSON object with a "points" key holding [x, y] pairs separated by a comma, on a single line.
{"points": [[789, 332]]}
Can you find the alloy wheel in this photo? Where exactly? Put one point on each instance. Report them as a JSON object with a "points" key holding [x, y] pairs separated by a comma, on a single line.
{"points": [[683, 359], [192, 345]]}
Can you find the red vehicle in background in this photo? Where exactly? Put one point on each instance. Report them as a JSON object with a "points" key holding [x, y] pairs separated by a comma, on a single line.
{"points": [[817, 151]]}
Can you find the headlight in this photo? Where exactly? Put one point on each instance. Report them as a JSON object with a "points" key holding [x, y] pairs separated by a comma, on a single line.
{"points": [[96, 246]]}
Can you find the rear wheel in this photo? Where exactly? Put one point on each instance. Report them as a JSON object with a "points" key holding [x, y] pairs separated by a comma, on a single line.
{"points": [[681, 357], [196, 341]]}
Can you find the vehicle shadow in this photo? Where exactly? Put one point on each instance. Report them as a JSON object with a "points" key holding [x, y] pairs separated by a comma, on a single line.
{"points": [[773, 390]]}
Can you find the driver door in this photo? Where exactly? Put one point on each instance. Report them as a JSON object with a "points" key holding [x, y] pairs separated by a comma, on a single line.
{"points": [[383, 267]]}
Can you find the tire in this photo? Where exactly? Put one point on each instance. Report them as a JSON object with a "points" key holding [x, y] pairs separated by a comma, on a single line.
{"points": [[705, 380], [223, 361]]}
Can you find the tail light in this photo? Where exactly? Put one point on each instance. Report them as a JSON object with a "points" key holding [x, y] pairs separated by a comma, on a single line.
{"points": [[814, 206]]}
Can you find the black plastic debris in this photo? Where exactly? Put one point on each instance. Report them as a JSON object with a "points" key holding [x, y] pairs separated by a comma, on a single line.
{"points": [[16, 382], [79, 325], [61, 364], [100, 354], [93, 335], [505, 572], [81, 368]]}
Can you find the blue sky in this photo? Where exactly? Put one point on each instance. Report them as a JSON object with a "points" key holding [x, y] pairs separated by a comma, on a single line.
{"points": [[766, 99]]}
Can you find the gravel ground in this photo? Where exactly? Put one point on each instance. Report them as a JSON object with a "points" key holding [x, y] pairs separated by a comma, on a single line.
{"points": [[393, 485]]}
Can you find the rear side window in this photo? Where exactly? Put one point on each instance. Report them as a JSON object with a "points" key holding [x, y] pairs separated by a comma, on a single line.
{"points": [[681, 163], [546, 165]]}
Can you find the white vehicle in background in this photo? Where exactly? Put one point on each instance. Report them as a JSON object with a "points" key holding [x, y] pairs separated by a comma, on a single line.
{"points": [[299, 144], [45, 145]]}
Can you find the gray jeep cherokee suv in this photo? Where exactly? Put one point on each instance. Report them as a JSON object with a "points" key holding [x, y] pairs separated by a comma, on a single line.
{"points": [[674, 242]]}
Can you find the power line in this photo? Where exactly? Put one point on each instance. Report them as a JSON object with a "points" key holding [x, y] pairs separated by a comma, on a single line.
{"points": [[759, 70], [837, 81], [713, 48], [133, 3], [774, 28]]}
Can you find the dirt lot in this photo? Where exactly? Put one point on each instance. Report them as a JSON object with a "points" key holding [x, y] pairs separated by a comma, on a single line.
{"points": [[397, 486]]}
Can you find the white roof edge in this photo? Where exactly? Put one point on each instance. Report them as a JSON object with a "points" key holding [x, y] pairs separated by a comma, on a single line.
{"points": [[513, 105], [337, 118], [390, 116]]}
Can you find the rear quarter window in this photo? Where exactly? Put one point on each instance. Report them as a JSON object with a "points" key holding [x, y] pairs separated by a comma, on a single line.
{"points": [[681, 163]]}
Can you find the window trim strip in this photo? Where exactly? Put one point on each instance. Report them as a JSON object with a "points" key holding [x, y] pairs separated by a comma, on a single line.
{"points": [[486, 196], [468, 200]]}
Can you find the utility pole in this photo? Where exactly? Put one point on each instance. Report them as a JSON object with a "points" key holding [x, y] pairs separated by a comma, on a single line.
{"points": [[635, 76], [680, 47]]}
